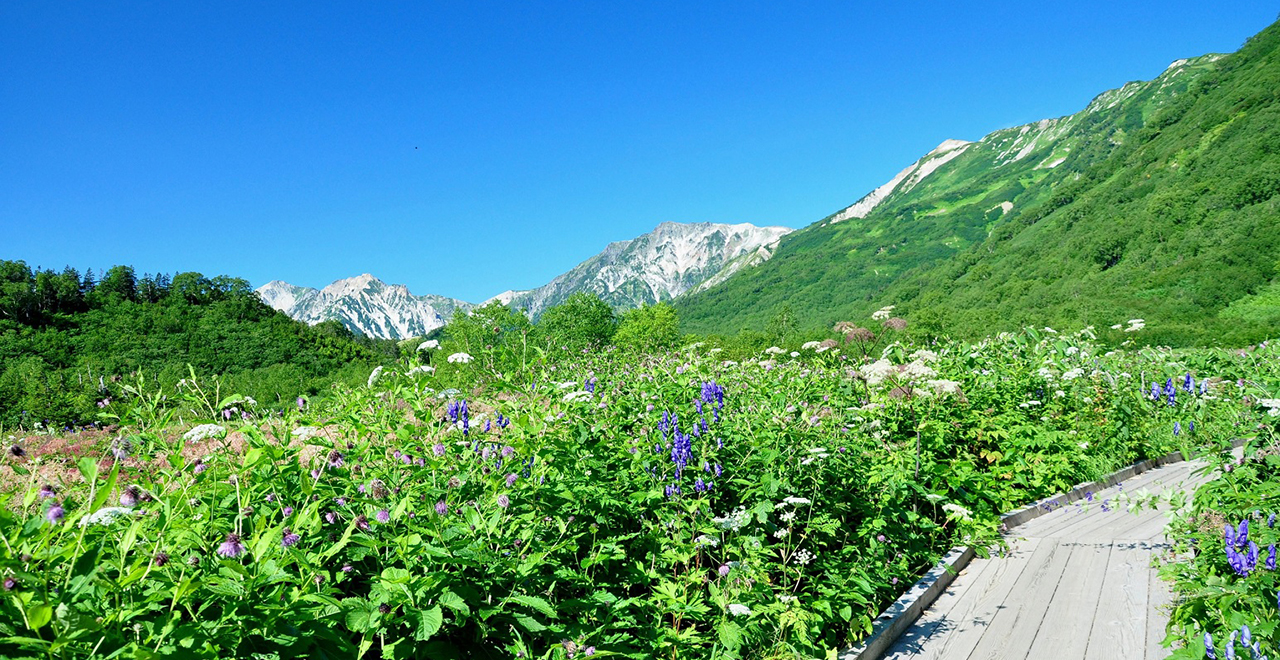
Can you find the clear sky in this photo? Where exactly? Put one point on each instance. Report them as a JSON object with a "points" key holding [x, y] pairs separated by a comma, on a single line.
{"points": [[465, 148]]}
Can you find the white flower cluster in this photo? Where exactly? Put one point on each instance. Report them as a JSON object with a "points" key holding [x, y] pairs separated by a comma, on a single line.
{"points": [[1272, 406], [105, 516], [429, 345], [925, 355], [803, 557], [577, 396], [956, 511], [708, 541], [877, 372], [374, 376], [424, 369], [882, 313], [460, 358], [774, 350], [304, 432], [737, 609], [1134, 325], [945, 387], [1072, 374], [203, 432], [810, 345], [733, 521]]}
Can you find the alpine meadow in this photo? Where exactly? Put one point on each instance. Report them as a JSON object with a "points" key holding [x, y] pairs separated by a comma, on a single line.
{"points": [[709, 441]]}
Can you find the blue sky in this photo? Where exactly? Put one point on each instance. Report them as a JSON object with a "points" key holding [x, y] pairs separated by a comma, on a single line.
{"points": [[465, 148]]}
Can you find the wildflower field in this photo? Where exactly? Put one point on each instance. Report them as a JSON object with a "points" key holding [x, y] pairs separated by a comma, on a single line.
{"points": [[707, 502]]}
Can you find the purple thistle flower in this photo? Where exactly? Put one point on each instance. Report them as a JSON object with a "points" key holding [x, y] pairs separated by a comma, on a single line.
{"points": [[346, 568], [47, 491], [231, 548], [56, 513], [288, 511], [504, 502], [723, 570], [160, 559], [439, 449], [335, 459], [383, 516], [362, 523], [442, 508], [289, 539], [271, 497], [511, 479], [341, 501], [331, 517], [302, 403], [10, 583], [315, 474], [507, 451], [129, 496], [590, 650]]}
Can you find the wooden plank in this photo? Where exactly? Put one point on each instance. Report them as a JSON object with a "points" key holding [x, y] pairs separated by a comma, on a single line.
{"points": [[1160, 601], [937, 619], [1123, 526], [1065, 633], [971, 615], [1120, 619], [1014, 625]]}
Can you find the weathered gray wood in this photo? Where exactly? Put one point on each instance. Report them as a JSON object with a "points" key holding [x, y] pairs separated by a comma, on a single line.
{"points": [[1120, 618], [1065, 633], [937, 620], [970, 617], [1161, 599], [1014, 626]]}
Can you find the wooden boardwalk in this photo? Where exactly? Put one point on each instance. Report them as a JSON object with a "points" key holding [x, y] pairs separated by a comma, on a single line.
{"points": [[1077, 583]]}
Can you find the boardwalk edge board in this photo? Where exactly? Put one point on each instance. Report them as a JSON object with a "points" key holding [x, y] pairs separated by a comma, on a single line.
{"points": [[902, 614]]}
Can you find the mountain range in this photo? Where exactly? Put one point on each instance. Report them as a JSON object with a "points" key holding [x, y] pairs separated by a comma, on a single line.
{"points": [[1158, 200], [665, 263]]}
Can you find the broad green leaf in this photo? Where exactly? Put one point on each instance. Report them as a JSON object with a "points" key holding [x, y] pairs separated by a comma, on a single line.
{"points": [[429, 622]]}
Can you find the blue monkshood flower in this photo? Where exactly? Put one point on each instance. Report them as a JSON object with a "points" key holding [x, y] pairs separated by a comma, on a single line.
{"points": [[487, 426], [719, 443], [700, 486], [665, 424], [1177, 428], [1168, 386], [452, 411], [706, 467], [1191, 426], [1173, 397], [704, 424], [717, 470], [1271, 557], [1209, 652], [1155, 391], [696, 431], [1188, 384], [697, 405], [1242, 533], [589, 385], [1229, 535], [465, 415], [1271, 520], [713, 393], [1204, 387], [503, 422]]}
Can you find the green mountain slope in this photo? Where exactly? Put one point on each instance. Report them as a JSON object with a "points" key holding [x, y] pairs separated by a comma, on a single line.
{"points": [[1157, 201]]}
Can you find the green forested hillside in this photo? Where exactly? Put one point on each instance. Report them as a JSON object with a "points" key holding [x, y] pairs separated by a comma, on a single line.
{"points": [[68, 342], [1158, 201]]}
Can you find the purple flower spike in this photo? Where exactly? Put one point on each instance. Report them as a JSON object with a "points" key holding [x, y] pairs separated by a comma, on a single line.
{"points": [[231, 548], [1271, 557], [1208, 647]]}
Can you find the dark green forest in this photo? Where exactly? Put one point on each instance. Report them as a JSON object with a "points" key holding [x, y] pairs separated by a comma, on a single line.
{"points": [[69, 342], [1159, 201]]}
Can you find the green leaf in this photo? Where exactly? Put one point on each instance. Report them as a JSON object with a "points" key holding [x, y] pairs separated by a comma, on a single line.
{"points": [[730, 634], [529, 623], [88, 468], [429, 622], [39, 616], [536, 603], [454, 602]]}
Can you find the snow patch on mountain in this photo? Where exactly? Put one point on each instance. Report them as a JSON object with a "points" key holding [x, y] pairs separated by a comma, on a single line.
{"points": [[912, 175], [364, 304]]}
